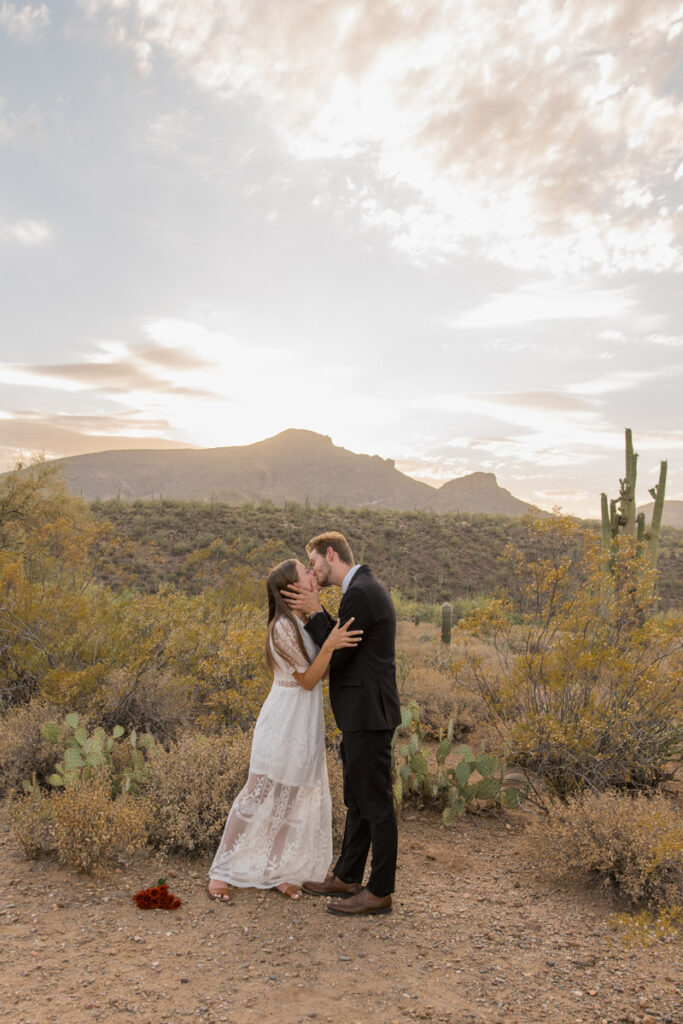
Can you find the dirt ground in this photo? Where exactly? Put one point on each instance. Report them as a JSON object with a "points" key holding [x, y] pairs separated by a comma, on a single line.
{"points": [[474, 936]]}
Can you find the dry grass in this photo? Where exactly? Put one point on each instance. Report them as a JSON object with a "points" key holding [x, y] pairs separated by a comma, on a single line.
{"points": [[192, 787], [426, 674]]}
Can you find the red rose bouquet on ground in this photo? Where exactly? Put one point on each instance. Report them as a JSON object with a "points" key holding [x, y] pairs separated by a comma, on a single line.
{"points": [[157, 898]]}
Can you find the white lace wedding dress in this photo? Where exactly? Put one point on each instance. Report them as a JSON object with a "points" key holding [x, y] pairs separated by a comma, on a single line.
{"points": [[280, 826]]}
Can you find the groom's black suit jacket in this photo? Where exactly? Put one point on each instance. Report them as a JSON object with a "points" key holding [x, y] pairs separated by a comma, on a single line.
{"points": [[363, 691]]}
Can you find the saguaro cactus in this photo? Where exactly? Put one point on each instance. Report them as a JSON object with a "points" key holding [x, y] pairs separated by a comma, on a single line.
{"points": [[657, 493], [446, 622], [619, 514]]}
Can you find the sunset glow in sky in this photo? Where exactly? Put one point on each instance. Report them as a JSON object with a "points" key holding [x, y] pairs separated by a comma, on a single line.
{"points": [[447, 232]]}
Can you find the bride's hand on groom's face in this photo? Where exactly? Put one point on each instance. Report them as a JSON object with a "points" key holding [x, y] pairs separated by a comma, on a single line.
{"points": [[303, 600]]}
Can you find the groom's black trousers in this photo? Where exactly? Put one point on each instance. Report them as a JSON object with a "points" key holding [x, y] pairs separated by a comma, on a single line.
{"points": [[370, 814]]}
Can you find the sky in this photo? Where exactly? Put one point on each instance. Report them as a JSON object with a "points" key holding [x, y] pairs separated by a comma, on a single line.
{"points": [[446, 232]]}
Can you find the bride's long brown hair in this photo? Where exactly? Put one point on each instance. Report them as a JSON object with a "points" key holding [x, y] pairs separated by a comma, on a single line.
{"points": [[280, 577]]}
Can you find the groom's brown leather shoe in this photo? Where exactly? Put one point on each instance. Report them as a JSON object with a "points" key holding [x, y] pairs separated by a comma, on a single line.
{"points": [[363, 902], [332, 886]]}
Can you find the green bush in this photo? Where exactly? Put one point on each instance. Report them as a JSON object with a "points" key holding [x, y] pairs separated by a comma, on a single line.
{"points": [[415, 611]]}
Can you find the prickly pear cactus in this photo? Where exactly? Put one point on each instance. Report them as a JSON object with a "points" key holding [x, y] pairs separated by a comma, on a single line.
{"points": [[476, 779], [87, 754]]}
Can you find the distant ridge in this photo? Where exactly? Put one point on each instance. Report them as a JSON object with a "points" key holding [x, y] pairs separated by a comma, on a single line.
{"points": [[671, 516], [296, 465]]}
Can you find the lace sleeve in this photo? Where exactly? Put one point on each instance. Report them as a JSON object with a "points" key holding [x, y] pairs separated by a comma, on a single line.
{"points": [[285, 646]]}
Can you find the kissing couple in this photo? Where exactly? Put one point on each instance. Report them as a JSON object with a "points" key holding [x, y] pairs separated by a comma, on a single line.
{"points": [[279, 831]]}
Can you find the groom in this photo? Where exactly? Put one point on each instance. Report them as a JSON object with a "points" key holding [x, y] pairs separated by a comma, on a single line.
{"points": [[366, 707]]}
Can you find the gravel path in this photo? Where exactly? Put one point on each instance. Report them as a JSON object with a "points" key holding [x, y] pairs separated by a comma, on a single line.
{"points": [[474, 937]]}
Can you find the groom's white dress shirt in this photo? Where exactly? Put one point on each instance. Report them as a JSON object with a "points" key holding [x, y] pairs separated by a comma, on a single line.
{"points": [[349, 576]]}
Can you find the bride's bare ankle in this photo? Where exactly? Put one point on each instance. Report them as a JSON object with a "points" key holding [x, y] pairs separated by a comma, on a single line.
{"points": [[289, 889], [218, 890]]}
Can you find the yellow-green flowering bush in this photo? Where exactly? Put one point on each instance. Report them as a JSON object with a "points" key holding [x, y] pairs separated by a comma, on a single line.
{"points": [[585, 682]]}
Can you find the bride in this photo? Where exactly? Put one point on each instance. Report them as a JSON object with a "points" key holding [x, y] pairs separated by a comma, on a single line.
{"points": [[279, 830]]}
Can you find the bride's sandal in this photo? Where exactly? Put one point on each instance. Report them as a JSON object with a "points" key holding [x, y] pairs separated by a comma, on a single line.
{"points": [[218, 895], [289, 891]]}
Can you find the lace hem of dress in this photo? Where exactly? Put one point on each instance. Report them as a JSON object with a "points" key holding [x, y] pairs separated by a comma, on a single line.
{"points": [[274, 832]]}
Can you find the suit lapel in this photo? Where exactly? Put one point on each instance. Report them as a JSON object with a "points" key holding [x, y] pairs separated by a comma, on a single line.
{"points": [[361, 573]]}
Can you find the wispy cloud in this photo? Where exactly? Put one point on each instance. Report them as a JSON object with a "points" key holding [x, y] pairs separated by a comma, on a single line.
{"points": [[26, 232], [16, 128], [24, 22], [205, 382], [567, 425], [57, 435], [72, 434], [550, 141], [117, 368], [545, 301], [622, 380], [167, 131], [557, 401], [120, 377], [669, 340]]}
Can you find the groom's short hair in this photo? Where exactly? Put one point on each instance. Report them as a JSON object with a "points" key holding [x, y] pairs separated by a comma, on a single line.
{"points": [[334, 540]]}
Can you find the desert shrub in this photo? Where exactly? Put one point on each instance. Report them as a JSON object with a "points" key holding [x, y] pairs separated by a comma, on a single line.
{"points": [[182, 547], [464, 606], [335, 775], [435, 695], [88, 829], [91, 830], [191, 787], [80, 645], [648, 927], [31, 822], [582, 679], [157, 703], [49, 601], [24, 751], [231, 677], [424, 675], [415, 611], [632, 844]]}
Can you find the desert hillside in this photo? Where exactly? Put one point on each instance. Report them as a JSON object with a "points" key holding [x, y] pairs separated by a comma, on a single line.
{"points": [[426, 556]]}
